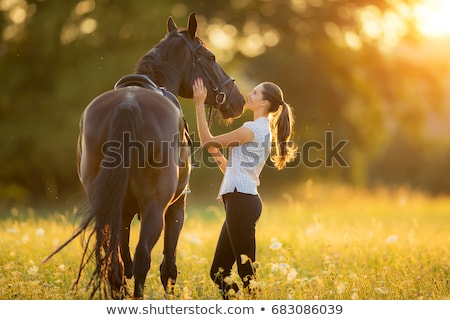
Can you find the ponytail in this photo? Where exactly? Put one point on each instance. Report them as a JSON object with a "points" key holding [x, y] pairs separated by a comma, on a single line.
{"points": [[282, 125], [282, 129]]}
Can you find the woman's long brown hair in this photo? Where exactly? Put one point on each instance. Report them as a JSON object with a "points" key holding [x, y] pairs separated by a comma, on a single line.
{"points": [[282, 125]]}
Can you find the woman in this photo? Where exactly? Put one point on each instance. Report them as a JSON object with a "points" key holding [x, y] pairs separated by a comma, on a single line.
{"points": [[250, 146]]}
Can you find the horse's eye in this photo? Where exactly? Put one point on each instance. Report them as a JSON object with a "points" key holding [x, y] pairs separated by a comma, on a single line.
{"points": [[212, 58]]}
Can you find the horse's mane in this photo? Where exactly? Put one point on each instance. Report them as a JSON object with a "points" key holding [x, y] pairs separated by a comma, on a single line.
{"points": [[153, 63]]}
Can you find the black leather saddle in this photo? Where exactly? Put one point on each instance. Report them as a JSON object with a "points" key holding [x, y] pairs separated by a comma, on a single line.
{"points": [[141, 80]]}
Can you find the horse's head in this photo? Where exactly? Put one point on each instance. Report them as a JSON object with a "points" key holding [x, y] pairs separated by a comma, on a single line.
{"points": [[182, 57]]}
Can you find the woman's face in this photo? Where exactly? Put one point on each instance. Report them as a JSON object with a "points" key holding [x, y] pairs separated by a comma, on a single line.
{"points": [[255, 98]]}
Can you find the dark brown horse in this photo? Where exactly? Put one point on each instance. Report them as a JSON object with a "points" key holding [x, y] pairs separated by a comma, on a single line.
{"points": [[134, 158]]}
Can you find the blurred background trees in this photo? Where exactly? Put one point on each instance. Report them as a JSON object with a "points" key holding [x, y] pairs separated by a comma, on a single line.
{"points": [[373, 72]]}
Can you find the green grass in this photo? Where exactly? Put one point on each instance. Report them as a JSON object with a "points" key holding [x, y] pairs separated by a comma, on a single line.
{"points": [[317, 242]]}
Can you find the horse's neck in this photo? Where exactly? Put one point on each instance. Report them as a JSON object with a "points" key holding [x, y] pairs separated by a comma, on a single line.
{"points": [[155, 70]]}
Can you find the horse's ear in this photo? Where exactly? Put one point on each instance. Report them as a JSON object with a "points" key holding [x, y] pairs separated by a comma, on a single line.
{"points": [[171, 26], [192, 25]]}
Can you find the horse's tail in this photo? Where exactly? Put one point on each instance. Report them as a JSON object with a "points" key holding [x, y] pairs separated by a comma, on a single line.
{"points": [[106, 196]]}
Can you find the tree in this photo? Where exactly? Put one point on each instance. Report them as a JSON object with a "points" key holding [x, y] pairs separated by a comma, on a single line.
{"points": [[342, 66]]}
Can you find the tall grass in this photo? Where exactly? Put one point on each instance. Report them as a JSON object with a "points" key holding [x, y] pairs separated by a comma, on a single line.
{"points": [[315, 242]]}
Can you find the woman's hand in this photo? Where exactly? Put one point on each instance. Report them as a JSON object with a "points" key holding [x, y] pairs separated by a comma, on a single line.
{"points": [[225, 140], [200, 92]]}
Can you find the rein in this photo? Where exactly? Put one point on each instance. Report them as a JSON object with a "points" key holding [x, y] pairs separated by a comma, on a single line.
{"points": [[221, 96]]}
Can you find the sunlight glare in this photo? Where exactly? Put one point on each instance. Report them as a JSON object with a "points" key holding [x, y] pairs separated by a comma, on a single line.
{"points": [[84, 7], [252, 46], [271, 38], [88, 25], [221, 36], [386, 28], [18, 14], [353, 40], [433, 18], [6, 5]]}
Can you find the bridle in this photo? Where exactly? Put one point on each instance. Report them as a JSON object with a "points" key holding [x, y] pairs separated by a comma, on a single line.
{"points": [[221, 96]]}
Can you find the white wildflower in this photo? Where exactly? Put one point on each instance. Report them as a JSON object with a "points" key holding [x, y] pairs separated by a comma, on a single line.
{"points": [[228, 280], [353, 276], [284, 267], [55, 243], [382, 290], [275, 245], [33, 271], [186, 293], [275, 267], [392, 239], [254, 284], [340, 288], [40, 232], [26, 239], [291, 275], [313, 228], [192, 238]]}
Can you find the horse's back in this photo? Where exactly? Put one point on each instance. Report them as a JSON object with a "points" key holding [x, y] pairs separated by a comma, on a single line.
{"points": [[157, 111], [135, 128]]}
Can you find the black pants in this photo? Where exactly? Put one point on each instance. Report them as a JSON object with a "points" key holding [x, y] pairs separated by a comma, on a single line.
{"points": [[236, 241]]}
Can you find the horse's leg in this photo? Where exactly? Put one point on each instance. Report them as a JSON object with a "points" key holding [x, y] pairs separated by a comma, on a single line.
{"points": [[130, 208], [125, 243], [151, 228], [174, 220]]}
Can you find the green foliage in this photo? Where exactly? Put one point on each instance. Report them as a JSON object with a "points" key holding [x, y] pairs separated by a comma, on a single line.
{"points": [[56, 56]]}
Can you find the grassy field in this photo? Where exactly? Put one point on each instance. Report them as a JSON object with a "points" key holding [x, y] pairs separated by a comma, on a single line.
{"points": [[318, 242]]}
